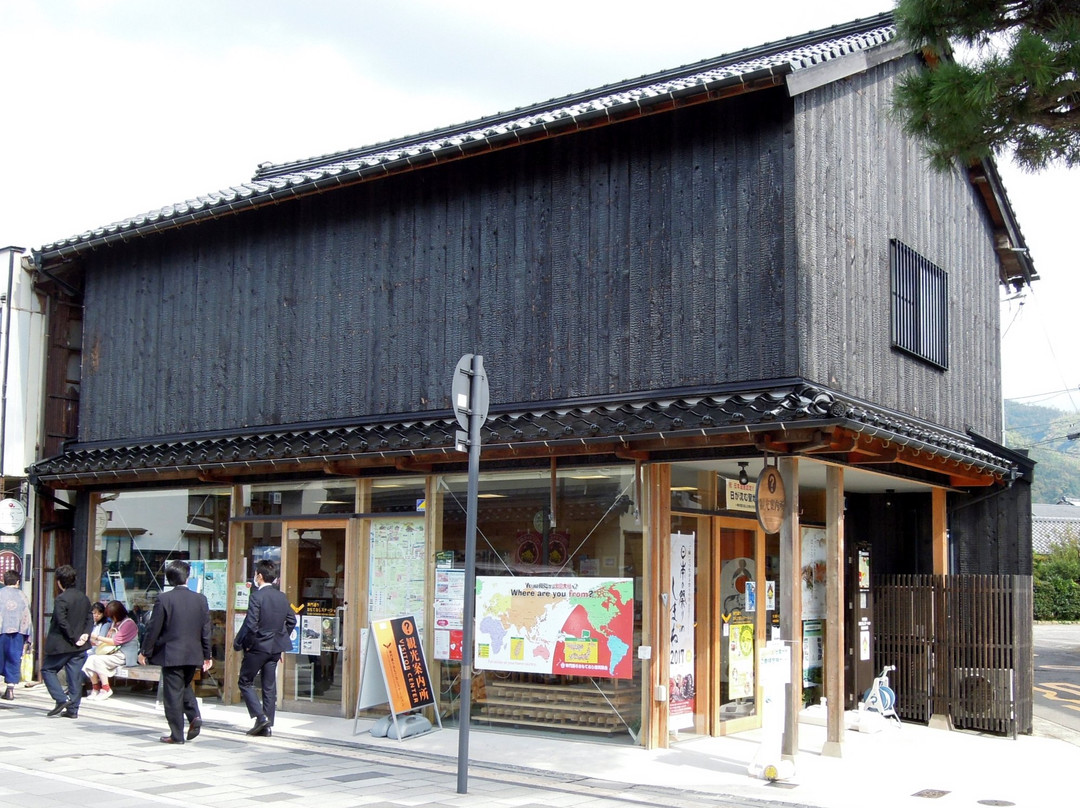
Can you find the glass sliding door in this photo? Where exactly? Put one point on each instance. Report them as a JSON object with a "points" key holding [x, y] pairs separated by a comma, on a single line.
{"points": [[745, 599], [314, 577]]}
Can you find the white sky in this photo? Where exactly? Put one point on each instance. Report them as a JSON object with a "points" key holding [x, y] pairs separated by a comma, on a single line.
{"points": [[117, 107]]}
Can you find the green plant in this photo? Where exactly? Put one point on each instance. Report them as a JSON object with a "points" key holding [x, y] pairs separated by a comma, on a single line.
{"points": [[1057, 582]]}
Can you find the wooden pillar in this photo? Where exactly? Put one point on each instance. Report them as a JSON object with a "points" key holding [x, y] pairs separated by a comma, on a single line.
{"points": [[659, 615], [939, 528], [238, 573], [791, 601], [939, 717], [834, 610]]}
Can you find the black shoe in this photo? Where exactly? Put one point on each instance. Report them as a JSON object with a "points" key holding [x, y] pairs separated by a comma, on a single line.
{"points": [[9, 695], [194, 728], [260, 725], [69, 713], [59, 708], [266, 733]]}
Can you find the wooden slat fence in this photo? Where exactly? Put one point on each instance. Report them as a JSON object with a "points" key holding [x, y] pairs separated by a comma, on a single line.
{"points": [[962, 646]]}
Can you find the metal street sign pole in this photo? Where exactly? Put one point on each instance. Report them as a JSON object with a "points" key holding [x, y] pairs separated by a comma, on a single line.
{"points": [[470, 408]]}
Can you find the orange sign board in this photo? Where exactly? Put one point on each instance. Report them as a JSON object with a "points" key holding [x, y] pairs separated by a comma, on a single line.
{"points": [[402, 660]]}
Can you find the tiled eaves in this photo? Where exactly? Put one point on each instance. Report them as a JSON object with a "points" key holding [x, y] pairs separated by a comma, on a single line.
{"points": [[626, 422], [278, 182]]}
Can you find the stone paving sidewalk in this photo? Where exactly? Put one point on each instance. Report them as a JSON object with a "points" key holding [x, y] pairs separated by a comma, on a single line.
{"points": [[114, 759]]}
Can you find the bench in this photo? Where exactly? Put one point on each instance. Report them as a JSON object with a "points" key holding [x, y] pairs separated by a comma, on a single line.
{"points": [[140, 673], [152, 673]]}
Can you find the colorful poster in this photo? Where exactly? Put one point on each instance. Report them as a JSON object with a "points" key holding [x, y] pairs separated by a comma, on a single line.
{"points": [[398, 555], [813, 653], [567, 626], [682, 689], [318, 627], [209, 578], [448, 644], [741, 661], [735, 574], [241, 596], [813, 573], [864, 569], [449, 613], [310, 634], [403, 665]]}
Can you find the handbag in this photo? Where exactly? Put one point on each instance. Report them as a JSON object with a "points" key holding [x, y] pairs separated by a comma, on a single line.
{"points": [[104, 649], [26, 673]]}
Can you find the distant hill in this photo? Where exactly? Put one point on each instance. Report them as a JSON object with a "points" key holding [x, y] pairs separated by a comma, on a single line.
{"points": [[1043, 429]]}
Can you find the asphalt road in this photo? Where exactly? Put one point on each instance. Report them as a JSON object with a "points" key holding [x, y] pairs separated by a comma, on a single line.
{"points": [[1057, 674]]}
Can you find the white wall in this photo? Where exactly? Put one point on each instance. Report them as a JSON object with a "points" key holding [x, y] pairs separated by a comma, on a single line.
{"points": [[22, 334]]}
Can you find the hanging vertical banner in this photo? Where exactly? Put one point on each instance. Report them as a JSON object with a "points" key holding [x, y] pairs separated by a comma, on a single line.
{"points": [[682, 688], [813, 573], [403, 665]]}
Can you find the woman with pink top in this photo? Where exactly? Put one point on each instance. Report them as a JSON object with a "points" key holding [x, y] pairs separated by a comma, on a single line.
{"points": [[120, 646]]}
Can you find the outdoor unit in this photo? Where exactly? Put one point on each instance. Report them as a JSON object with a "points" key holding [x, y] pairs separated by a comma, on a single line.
{"points": [[983, 693]]}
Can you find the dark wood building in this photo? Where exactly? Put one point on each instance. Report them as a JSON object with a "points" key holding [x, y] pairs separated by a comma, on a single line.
{"points": [[736, 264]]}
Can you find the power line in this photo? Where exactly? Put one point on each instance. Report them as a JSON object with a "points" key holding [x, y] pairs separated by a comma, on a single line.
{"points": [[1043, 395]]}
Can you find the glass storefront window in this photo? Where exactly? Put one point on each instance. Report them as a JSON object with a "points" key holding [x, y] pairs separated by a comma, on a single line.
{"points": [[136, 533], [293, 499], [397, 495], [533, 529]]}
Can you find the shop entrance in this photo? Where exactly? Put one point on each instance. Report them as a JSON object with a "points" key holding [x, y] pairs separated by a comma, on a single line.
{"points": [[744, 603], [724, 602], [317, 577]]}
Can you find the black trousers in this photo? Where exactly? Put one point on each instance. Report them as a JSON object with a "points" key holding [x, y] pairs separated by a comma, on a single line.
{"points": [[179, 697], [256, 662]]}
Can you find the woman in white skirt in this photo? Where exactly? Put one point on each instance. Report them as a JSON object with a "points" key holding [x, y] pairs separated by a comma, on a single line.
{"points": [[119, 646]]}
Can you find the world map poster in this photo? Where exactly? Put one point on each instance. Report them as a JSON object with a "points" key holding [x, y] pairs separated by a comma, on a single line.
{"points": [[566, 626]]}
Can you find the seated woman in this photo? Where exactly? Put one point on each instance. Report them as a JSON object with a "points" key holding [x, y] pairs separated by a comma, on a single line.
{"points": [[120, 646], [102, 624]]}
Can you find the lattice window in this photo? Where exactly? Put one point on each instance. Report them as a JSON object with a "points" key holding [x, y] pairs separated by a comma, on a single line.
{"points": [[920, 296]]}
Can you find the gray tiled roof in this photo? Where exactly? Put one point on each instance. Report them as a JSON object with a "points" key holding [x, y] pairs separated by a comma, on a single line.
{"points": [[597, 107], [1051, 524], [624, 421]]}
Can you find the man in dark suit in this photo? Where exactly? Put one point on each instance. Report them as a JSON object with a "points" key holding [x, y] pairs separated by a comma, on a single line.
{"points": [[66, 644], [178, 639], [263, 638]]}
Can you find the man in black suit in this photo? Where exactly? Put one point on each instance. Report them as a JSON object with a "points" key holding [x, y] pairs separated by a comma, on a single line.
{"points": [[66, 644], [178, 639], [263, 638]]}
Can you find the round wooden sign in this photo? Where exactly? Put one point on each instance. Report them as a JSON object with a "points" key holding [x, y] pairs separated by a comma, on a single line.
{"points": [[771, 499], [12, 515]]}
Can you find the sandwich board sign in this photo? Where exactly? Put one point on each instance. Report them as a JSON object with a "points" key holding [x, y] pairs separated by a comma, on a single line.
{"points": [[394, 671]]}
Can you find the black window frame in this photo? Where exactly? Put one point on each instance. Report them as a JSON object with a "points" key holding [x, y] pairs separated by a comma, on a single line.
{"points": [[920, 306]]}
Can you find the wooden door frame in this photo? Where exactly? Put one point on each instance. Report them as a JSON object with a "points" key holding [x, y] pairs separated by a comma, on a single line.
{"points": [[715, 726], [350, 630]]}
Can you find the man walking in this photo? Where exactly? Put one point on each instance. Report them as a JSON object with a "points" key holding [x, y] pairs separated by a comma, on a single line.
{"points": [[178, 639], [66, 644], [263, 637]]}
